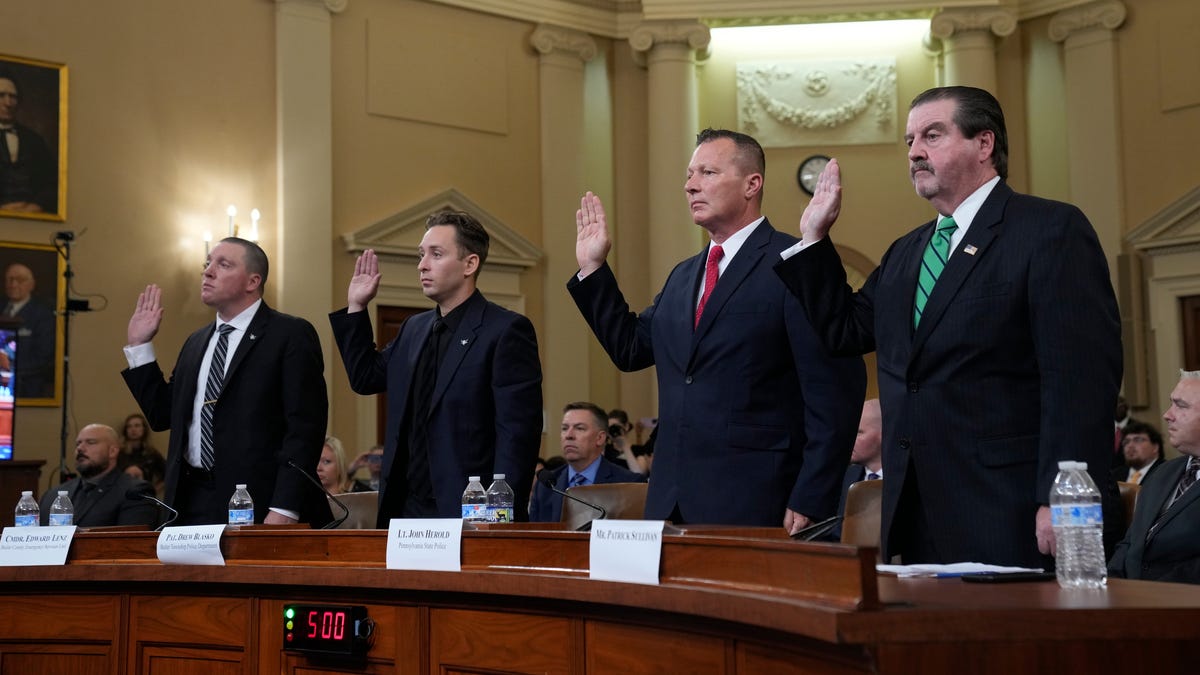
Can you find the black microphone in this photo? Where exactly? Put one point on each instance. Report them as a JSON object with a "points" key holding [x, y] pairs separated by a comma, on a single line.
{"points": [[546, 477], [135, 494], [333, 524]]}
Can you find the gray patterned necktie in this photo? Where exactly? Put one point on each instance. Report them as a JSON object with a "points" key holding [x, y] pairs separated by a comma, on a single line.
{"points": [[212, 392]]}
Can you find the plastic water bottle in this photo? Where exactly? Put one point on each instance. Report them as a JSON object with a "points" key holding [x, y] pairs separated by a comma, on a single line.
{"points": [[1078, 528], [500, 500], [62, 511], [474, 502], [241, 507], [27, 512]]}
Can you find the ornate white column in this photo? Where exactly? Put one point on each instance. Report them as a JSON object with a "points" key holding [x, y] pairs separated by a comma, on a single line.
{"points": [[969, 42], [564, 343], [1094, 128], [301, 272], [670, 49]]}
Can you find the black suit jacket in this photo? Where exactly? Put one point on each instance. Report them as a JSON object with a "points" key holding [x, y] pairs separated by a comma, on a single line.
{"points": [[486, 413], [1120, 473], [1172, 551], [754, 415], [34, 176], [273, 408], [35, 352], [1015, 366], [546, 505], [107, 505]]}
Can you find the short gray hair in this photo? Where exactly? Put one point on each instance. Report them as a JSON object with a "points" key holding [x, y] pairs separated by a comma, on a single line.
{"points": [[1189, 374]]}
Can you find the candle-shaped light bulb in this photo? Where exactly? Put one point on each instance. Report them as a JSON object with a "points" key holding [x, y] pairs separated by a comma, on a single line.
{"points": [[207, 242], [231, 211]]}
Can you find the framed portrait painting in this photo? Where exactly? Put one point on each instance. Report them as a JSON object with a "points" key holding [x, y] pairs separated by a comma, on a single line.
{"points": [[34, 289], [33, 139]]}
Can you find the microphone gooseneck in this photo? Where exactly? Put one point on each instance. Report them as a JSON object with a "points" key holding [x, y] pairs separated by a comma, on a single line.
{"points": [[333, 524], [134, 494], [546, 477]]}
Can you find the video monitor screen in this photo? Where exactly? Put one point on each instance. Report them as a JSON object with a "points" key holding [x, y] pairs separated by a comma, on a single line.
{"points": [[8, 369]]}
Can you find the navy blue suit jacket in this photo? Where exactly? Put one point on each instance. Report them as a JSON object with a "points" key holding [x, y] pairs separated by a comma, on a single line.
{"points": [[486, 413], [1172, 552], [546, 505], [1015, 366], [273, 408], [754, 416], [108, 504]]}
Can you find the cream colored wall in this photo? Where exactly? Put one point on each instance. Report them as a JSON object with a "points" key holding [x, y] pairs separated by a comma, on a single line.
{"points": [[171, 119], [384, 163]]}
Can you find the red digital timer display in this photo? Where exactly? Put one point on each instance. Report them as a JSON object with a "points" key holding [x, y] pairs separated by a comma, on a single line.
{"points": [[327, 629]]}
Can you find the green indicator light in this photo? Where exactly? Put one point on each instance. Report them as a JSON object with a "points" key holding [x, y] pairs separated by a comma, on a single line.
{"points": [[289, 612]]}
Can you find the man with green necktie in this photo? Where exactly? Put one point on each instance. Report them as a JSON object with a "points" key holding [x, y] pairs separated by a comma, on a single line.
{"points": [[997, 339]]}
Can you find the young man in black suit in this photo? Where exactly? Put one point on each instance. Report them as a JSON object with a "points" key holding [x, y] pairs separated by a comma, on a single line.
{"points": [[998, 343], [246, 400], [464, 381]]}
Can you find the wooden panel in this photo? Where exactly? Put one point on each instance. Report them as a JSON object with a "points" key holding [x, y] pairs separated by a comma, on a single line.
{"points": [[1047, 656], [398, 646], [52, 659], [40, 617], [467, 641], [161, 660], [816, 659], [630, 650]]}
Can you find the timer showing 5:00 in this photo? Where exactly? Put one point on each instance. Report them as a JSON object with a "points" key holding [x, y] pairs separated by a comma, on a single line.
{"points": [[335, 630]]}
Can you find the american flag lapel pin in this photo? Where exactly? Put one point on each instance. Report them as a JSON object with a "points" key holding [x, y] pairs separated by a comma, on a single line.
{"points": [[464, 342], [252, 336], [970, 250]]}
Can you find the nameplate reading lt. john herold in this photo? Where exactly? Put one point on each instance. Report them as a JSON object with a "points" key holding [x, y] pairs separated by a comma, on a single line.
{"points": [[35, 545], [626, 550], [191, 545], [429, 544]]}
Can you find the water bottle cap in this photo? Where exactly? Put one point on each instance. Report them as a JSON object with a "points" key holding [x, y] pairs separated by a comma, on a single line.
{"points": [[1066, 465], [497, 476], [1082, 466], [27, 493], [472, 479], [62, 493], [239, 486]]}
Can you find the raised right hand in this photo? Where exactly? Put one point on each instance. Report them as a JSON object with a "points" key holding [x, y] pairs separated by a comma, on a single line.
{"points": [[147, 316], [822, 211], [591, 231], [365, 282]]}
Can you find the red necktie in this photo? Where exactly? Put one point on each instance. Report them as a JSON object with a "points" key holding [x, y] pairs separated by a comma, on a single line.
{"points": [[711, 271]]}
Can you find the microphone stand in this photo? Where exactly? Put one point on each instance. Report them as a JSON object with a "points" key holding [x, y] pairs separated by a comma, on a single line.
{"points": [[62, 242]]}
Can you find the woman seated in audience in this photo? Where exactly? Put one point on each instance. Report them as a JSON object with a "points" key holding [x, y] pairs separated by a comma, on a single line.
{"points": [[331, 468], [138, 457]]}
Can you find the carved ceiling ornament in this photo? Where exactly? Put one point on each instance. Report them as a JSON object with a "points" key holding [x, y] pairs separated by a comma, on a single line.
{"points": [[818, 102]]}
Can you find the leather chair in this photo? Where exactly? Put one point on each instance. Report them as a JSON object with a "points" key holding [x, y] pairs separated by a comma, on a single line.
{"points": [[1129, 493], [622, 501], [860, 526], [364, 506]]}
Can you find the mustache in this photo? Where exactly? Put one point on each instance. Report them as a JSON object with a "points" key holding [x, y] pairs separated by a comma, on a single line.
{"points": [[921, 165]]}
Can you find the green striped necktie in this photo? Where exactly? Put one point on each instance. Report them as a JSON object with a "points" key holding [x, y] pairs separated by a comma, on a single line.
{"points": [[932, 264]]}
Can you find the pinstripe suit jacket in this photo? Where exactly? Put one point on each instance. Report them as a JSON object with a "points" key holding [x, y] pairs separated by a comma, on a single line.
{"points": [[1016, 365]]}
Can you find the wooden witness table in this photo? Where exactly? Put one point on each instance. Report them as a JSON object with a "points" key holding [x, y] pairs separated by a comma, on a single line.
{"points": [[730, 601]]}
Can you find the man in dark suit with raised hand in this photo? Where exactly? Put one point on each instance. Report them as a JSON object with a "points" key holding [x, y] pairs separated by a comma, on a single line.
{"points": [[994, 364], [246, 400], [464, 382], [98, 493], [584, 435], [755, 419], [1163, 541]]}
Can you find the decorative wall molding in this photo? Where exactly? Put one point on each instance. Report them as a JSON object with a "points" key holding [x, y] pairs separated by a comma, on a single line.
{"points": [[548, 39], [948, 23], [650, 33], [332, 6], [791, 103], [1105, 14], [1174, 229]]}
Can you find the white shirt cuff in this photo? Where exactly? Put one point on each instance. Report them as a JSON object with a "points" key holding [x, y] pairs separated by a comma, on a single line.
{"points": [[796, 248], [284, 512], [140, 355]]}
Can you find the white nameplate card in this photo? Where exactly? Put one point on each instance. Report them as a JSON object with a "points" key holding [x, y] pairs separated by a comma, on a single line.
{"points": [[191, 545], [626, 550], [428, 544], [35, 545]]}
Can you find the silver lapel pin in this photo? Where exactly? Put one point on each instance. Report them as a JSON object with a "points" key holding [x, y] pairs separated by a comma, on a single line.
{"points": [[464, 342]]}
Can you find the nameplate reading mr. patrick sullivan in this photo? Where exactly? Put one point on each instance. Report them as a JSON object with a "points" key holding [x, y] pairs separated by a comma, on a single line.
{"points": [[626, 550]]}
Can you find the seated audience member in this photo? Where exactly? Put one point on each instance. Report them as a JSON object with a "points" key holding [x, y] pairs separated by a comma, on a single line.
{"points": [[98, 493], [866, 458], [583, 437], [1142, 447], [1163, 540], [372, 460], [619, 449], [139, 458], [331, 468]]}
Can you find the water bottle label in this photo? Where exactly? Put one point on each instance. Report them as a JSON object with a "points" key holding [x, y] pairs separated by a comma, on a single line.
{"points": [[476, 513], [1089, 514], [61, 519], [30, 520], [501, 514], [1060, 516], [241, 516]]}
